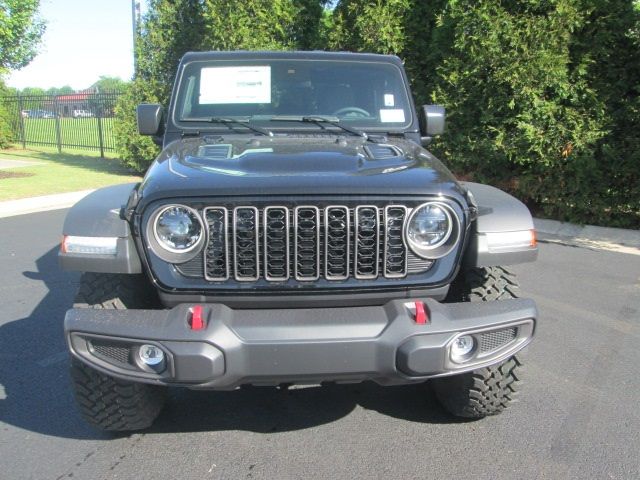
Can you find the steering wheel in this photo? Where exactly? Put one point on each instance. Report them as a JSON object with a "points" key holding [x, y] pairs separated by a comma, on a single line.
{"points": [[351, 111]]}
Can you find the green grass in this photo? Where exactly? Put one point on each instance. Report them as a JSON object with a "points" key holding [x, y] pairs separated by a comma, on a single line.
{"points": [[74, 132], [59, 173]]}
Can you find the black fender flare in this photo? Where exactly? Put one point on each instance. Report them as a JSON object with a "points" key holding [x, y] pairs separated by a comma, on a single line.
{"points": [[98, 215]]}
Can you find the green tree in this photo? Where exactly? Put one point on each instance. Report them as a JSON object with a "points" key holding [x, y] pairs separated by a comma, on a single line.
{"points": [[607, 46], [526, 87], [400, 27], [309, 25], [109, 84], [65, 90], [263, 24], [32, 91], [102, 102], [135, 151], [542, 95], [371, 26], [8, 115], [20, 32], [33, 98]]}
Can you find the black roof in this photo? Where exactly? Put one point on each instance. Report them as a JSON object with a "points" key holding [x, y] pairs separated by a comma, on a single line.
{"points": [[304, 55]]}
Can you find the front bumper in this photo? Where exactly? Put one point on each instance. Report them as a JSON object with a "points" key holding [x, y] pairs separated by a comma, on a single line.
{"points": [[275, 346]]}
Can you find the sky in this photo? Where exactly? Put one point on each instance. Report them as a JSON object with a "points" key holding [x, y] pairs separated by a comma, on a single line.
{"points": [[84, 40]]}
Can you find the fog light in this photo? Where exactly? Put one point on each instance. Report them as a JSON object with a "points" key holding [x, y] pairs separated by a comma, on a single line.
{"points": [[462, 347], [151, 355]]}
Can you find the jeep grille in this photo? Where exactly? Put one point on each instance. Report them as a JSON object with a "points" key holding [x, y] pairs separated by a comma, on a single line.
{"points": [[278, 243]]}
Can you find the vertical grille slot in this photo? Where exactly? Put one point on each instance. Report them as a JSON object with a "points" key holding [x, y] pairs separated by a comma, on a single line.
{"points": [[276, 243], [336, 242], [395, 250], [307, 243], [367, 242], [216, 255], [245, 244]]}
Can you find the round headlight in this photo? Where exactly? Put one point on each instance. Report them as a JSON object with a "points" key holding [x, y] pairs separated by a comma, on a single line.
{"points": [[178, 228], [429, 226]]}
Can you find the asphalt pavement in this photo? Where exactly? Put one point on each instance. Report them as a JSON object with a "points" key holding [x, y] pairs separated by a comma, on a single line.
{"points": [[579, 414]]}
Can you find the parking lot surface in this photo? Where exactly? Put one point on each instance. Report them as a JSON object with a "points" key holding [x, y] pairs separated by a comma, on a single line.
{"points": [[579, 414]]}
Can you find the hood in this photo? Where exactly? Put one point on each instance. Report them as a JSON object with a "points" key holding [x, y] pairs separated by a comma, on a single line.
{"points": [[295, 165]]}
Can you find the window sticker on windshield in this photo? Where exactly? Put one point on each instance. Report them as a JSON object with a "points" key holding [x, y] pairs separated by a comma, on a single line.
{"points": [[392, 115], [389, 101], [228, 85]]}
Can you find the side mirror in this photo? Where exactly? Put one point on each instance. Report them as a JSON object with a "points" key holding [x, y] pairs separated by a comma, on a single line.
{"points": [[149, 118], [432, 120]]}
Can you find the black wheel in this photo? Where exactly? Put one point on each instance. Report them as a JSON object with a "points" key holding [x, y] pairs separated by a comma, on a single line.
{"points": [[489, 390], [105, 402]]}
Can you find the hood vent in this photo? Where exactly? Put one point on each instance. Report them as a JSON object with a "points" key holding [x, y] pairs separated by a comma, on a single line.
{"points": [[220, 151], [381, 151]]}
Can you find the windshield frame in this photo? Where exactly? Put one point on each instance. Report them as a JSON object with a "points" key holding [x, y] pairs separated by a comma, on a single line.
{"points": [[410, 126]]}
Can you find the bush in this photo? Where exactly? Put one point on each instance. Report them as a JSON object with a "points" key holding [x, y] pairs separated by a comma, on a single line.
{"points": [[541, 98], [135, 151], [8, 126], [543, 95]]}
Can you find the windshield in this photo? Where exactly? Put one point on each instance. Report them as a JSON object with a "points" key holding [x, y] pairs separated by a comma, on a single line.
{"points": [[366, 95]]}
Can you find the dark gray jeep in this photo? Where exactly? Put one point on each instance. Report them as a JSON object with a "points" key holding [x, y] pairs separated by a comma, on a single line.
{"points": [[294, 230]]}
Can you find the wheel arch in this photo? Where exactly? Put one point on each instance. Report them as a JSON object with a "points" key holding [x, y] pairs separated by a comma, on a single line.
{"points": [[502, 218], [98, 215]]}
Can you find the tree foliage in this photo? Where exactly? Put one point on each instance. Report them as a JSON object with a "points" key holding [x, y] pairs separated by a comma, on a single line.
{"points": [[106, 84], [64, 90], [7, 120], [136, 151], [20, 32], [543, 96]]}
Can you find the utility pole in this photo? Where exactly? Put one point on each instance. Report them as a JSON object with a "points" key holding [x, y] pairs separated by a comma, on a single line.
{"points": [[135, 16]]}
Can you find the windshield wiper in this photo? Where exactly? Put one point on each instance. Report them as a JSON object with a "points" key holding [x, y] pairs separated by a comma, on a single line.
{"points": [[230, 121], [320, 120]]}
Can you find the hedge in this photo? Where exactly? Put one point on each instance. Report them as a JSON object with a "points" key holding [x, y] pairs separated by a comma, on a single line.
{"points": [[542, 95]]}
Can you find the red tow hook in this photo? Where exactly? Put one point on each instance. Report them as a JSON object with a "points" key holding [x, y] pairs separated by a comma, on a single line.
{"points": [[422, 316], [197, 322]]}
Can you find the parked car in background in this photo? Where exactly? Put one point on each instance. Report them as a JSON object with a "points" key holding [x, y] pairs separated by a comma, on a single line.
{"points": [[82, 114], [37, 114]]}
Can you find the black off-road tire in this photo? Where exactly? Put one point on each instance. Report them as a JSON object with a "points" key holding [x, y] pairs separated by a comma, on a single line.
{"points": [[486, 391], [484, 285], [115, 291], [106, 402], [112, 404]]}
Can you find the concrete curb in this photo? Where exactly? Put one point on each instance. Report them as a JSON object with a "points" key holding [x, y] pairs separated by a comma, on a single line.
{"points": [[43, 203], [588, 236]]}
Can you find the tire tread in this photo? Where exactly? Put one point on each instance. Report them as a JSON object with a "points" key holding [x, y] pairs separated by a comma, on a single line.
{"points": [[490, 390], [106, 402]]}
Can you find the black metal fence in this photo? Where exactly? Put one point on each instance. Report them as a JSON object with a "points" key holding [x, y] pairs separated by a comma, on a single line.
{"points": [[77, 121]]}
